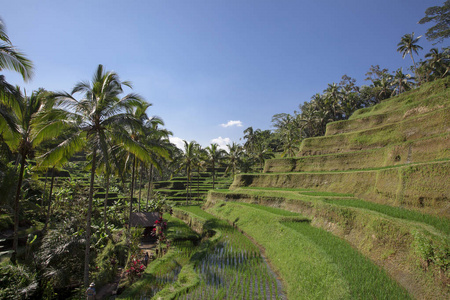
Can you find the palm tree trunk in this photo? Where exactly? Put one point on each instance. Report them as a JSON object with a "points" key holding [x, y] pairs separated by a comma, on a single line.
{"points": [[414, 64], [47, 217], [16, 207], [88, 221], [149, 191], [198, 183], [187, 185], [106, 202], [45, 188], [140, 185], [213, 171], [132, 191]]}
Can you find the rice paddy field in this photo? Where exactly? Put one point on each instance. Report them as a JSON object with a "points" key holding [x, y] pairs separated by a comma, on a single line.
{"points": [[233, 269], [230, 268], [313, 263]]}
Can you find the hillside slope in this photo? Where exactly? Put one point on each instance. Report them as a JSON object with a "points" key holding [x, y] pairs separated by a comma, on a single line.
{"points": [[380, 180]]}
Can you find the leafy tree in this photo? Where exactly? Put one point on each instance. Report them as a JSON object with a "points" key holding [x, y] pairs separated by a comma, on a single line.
{"points": [[440, 15]]}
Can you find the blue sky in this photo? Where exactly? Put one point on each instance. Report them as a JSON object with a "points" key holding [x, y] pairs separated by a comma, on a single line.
{"points": [[205, 63]]}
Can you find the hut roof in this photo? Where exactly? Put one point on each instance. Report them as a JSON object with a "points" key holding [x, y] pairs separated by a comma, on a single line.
{"points": [[143, 219]]}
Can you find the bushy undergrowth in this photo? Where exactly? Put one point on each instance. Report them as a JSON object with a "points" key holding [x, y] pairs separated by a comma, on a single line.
{"points": [[16, 281]]}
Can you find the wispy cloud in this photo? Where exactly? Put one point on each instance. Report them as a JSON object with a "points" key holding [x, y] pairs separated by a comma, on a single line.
{"points": [[232, 123], [222, 142], [177, 141]]}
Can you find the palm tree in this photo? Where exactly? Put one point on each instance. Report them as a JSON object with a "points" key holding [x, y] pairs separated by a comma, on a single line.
{"points": [[11, 58], [215, 155], [401, 82], [408, 44], [261, 154], [233, 157], [157, 142], [34, 124], [187, 162], [333, 98], [439, 62], [101, 116]]}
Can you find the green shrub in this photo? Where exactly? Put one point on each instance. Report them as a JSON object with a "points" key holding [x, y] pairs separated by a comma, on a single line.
{"points": [[5, 222]]}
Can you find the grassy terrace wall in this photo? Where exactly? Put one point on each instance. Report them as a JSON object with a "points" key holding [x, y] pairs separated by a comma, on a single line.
{"points": [[424, 187], [421, 126], [422, 150], [430, 97]]}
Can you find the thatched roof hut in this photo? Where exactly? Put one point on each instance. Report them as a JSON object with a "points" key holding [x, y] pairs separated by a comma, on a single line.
{"points": [[143, 219]]}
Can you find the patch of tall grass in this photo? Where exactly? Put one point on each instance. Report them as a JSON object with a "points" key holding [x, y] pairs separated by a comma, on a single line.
{"points": [[365, 279]]}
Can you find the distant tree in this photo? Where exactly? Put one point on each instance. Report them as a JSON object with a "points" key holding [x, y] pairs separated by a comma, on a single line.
{"points": [[438, 63], [402, 82], [440, 15], [233, 157], [333, 99], [408, 44], [187, 162], [215, 155], [263, 153]]}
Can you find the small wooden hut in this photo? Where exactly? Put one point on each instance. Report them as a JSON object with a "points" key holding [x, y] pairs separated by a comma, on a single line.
{"points": [[145, 220]]}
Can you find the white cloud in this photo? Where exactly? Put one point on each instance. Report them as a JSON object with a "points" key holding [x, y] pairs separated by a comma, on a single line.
{"points": [[177, 141], [222, 142], [232, 123]]}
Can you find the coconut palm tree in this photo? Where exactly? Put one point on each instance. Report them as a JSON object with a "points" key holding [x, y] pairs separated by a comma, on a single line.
{"points": [[402, 82], [233, 157], [101, 116], [34, 124], [333, 99], [215, 155], [187, 162], [157, 142], [261, 154], [11, 58], [439, 62], [408, 44]]}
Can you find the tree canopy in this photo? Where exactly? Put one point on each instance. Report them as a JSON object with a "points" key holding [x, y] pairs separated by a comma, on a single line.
{"points": [[440, 15]]}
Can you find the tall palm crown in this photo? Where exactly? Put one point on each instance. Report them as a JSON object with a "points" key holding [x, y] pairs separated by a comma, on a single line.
{"points": [[11, 58], [101, 118], [408, 44]]}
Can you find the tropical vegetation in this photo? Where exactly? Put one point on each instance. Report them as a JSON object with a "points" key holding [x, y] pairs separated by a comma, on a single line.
{"points": [[74, 167]]}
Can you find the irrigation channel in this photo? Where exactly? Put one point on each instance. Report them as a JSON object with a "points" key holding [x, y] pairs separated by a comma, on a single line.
{"points": [[233, 268]]}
